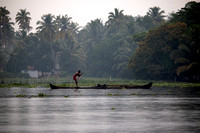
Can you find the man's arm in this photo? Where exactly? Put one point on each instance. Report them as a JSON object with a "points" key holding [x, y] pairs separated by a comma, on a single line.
{"points": [[81, 74]]}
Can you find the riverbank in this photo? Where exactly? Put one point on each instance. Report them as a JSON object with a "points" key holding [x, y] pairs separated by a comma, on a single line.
{"points": [[86, 81]]}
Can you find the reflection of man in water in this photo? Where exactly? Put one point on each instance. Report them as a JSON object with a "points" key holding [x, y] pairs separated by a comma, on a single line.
{"points": [[78, 74]]}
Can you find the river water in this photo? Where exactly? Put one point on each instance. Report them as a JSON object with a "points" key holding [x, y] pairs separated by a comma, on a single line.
{"points": [[99, 111]]}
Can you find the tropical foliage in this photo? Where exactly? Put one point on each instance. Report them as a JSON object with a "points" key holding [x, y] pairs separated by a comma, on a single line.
{"points": [[23, 20], [152, 46], [171, 51], [151, 59], [6, 36]]}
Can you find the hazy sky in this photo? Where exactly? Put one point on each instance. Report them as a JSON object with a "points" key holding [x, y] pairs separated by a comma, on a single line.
{"points": [[83, 11]]}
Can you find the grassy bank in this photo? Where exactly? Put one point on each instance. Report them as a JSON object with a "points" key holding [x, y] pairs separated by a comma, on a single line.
{"points": [[86, 81]]}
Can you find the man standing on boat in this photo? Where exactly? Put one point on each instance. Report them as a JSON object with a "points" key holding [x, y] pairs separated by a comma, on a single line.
{"points": [[78, 74]]}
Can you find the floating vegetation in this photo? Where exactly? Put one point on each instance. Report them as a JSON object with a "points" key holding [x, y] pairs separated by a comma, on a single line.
{"points": [[34, 96], [66, 96], [17, 85], [21, 95], [42, 95], [170, 91], [109, 94], [133, 94], [112, 108]]}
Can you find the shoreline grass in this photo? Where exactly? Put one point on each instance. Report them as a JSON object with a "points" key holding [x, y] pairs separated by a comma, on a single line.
{"points": [[87, 81]]}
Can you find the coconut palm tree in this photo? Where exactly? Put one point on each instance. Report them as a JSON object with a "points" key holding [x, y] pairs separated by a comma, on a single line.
{"points": [[47, 28], [75, 27], [6, 36], [94, 28], [6, 28], [65, 33], [115, 19], [186, 57], [23, 20], [66, 36], [94, 31], [156, 14], [47, 32], [122, 56]]}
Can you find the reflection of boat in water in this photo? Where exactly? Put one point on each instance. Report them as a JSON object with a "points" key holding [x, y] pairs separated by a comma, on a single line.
{"points": [[146, 86]]}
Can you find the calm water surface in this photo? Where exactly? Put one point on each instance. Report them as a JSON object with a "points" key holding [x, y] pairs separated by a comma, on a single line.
{"points": [[99, 113]]}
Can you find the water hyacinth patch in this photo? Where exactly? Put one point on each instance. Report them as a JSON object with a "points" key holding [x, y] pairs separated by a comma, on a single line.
{"points": [[133, 94], [42, 95], [112, 108], [21, 96]]}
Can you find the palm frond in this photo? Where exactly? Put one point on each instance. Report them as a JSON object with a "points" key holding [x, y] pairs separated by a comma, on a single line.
{"points": [[176, 54], [192, 65], [184, 48], [181, 69], [182, 60]]}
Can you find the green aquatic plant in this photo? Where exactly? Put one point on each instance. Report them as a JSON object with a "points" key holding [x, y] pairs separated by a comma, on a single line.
{"points": [[21, 95], [42, 95], [109, 94], [112, 108], [66, 96], [133, 94], [124, 87], [170, 91], [33, 96]]}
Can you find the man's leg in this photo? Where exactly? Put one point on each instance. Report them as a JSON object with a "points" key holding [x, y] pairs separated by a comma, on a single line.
{"points": [[76, 83]]}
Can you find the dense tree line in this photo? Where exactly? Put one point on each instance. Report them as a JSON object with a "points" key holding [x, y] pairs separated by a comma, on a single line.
{"points": [[141, 47], [171, 51]]}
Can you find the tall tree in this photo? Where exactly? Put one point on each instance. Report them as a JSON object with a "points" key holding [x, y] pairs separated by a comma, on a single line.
{"points": [[6, 28], [59, 34], [6, 36], [63, 27], [23, 19], [151, 59], [122, 56], [115, 20], [47, 28], [65, 33], [189, 14], [186, 57], [114, 17], [47, 33], [69, 52], [93, 32], [156, 15], [146, 22]]}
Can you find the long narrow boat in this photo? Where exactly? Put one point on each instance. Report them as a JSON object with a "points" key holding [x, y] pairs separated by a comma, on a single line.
{"points": [[146, 86]]}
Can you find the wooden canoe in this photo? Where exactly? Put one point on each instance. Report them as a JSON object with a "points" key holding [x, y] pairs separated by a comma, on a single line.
{"points": [[146, 86]]}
